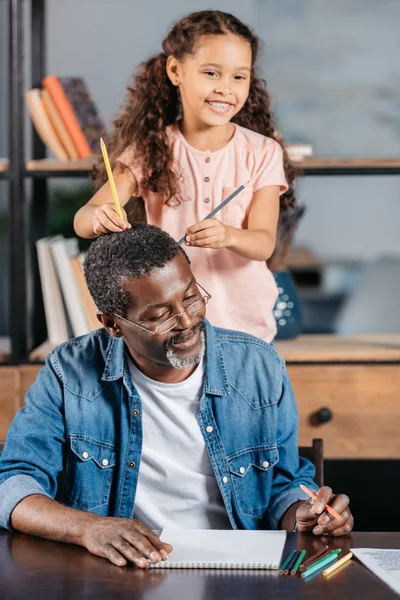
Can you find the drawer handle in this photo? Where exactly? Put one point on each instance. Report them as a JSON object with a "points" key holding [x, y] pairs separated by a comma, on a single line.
{"points": [[323, 415]]}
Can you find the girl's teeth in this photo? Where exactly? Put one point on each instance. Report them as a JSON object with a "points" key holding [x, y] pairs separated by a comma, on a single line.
{"points": [[219, 105]]}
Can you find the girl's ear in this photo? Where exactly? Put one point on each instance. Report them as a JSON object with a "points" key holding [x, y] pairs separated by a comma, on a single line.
{"points": [[173, 70]]}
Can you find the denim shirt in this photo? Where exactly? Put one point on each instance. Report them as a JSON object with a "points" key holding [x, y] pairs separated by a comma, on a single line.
{"points": [[78, 439]]}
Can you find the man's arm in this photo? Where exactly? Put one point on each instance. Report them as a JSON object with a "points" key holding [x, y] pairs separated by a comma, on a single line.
{"points": [[290, 506], [118, 540]]}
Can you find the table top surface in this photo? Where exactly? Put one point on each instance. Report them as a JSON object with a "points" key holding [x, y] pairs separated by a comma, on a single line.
{"points": [[43, 570]]}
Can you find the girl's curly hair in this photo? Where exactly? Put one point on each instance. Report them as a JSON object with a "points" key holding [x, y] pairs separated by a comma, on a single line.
{"points": [[152, 103]]}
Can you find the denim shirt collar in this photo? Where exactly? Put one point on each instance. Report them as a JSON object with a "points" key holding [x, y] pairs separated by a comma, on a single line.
{"points": [[115, 360], [216, 379]]}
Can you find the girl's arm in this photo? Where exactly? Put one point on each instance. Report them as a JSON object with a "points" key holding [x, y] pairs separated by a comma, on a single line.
{"points": [[99, 214], [257, 242]]}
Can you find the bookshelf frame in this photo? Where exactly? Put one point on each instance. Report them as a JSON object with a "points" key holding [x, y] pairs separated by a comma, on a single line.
{"points": [[27, 228]]}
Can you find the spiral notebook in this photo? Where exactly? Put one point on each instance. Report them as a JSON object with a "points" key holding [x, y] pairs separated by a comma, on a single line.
{"points": [[222, 549]]}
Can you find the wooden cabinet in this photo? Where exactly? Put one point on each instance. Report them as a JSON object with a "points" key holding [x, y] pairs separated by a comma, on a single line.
{"points": [[356, 380], [14, 383], [348, 393]]}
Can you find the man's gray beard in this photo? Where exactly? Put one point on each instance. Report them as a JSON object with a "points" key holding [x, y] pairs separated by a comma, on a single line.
{"points": [[190, 361]]}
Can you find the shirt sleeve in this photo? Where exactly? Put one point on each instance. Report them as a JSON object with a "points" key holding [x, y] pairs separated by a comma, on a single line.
{"points": [[291, 469], [33, 453], [269, 168]]}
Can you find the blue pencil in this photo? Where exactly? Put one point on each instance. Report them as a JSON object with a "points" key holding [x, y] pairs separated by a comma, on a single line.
{"points": [[218, 208]]}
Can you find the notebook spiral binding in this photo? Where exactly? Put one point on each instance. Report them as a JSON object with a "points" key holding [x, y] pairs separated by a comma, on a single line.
{"points": [[230, 566]]}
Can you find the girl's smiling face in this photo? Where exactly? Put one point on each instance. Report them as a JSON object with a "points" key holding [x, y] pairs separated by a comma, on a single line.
{"points": [[214, 82]]}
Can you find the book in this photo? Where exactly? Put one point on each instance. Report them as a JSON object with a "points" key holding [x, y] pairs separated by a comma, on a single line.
{"points": [[58, 124], [222, 549], [78, 111], [299, 151], [58, 330], [84, 294], [43, 124], [58, 325], [62, 250]]}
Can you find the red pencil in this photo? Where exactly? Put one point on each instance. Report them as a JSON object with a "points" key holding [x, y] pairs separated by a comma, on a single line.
{"points": [[330, 510]]}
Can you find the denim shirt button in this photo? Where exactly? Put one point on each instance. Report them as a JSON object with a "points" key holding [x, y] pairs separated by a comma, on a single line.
{"points": [[104, 462], [209, 429], [225, 479], [85, 455], [131, 465], [136, 412], [265, 464], [242, 470]]}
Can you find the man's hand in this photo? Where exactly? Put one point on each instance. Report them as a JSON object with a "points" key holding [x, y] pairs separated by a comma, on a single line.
{"points": [[210, 233], [122, 540], [312, 516]]}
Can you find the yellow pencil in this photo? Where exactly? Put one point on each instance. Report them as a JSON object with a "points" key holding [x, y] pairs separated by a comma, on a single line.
{"points": [[337, 564], [110, 178]]}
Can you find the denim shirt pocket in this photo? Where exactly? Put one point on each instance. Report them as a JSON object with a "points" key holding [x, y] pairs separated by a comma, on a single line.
{"points": [[89, 472], [251, 475]]}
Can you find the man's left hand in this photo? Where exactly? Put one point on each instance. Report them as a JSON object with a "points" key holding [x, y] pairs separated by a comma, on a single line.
{"points": [[312, 516]]}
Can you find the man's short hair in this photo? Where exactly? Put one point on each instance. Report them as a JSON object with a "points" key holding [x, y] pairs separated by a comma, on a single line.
{"points": [[114, 258]]}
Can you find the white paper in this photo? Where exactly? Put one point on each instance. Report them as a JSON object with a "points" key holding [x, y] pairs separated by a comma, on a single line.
{"points": [[223, 548], [385, 564]]}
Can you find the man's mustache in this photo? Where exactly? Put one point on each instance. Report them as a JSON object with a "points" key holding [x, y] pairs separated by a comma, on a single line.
{"points": [[184, 337]]}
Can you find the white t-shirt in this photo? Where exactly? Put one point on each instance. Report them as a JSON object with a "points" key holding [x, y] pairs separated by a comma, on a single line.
{"points": [[176, 485]]}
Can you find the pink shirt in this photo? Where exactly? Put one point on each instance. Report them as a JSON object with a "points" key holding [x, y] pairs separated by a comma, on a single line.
{"points": [[243, 291]]}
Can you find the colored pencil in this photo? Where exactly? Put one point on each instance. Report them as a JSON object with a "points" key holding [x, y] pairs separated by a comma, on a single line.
{"points": [[286, 562], [218, 208], [338, 564], [110, 178], [314, 557], [323, 562], [330, 510], [298, 563], [291, 563]]}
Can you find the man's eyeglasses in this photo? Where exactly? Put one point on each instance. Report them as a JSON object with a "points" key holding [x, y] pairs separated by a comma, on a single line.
{"points": [[172, 322]]}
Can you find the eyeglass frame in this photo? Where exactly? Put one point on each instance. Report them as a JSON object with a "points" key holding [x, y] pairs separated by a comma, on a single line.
{"points": [[207, 297]]}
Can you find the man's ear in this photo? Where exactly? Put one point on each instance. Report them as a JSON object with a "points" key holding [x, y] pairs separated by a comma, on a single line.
{"points": [[109, 323]]}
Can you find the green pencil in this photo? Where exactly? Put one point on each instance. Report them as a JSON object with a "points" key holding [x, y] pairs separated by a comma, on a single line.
{"points": [[286, 562], [298, 562], [324, 562]]}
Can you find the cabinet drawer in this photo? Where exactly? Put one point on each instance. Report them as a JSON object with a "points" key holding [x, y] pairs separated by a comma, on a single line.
{"points": [[9, 397], [363, 402]]}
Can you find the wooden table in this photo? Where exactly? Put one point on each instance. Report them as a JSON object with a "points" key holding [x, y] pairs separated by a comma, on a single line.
{"points": [[42, 570]]}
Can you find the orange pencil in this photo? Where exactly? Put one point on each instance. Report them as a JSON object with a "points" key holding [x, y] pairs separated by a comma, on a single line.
{"points": [[330, 510]]}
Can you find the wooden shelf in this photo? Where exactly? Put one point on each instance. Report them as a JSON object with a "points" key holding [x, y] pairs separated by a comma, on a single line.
{"points": [[309, 166], [341, 349], [50, 164], [349, 166]]}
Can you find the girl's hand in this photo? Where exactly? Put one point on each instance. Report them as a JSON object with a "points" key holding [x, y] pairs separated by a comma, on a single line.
{"points": [[107, 220], [210, 233]]}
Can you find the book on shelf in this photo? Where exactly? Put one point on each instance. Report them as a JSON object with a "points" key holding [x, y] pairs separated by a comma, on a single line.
{"points": [[69, 308], [298, 152], [58, 124], [78, 112], [43, 125]]}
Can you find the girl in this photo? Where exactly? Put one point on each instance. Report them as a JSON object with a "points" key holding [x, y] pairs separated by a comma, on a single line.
{"points": [[196, 125]]}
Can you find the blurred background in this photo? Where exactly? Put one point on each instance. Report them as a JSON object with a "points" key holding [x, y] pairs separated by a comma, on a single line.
{"points": [[333, 71]]}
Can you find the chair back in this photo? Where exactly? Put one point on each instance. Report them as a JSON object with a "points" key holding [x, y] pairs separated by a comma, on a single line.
{"points": [[315, 454]]}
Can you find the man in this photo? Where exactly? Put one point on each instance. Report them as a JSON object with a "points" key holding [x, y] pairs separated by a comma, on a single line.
{"points": [[158, 419]]}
